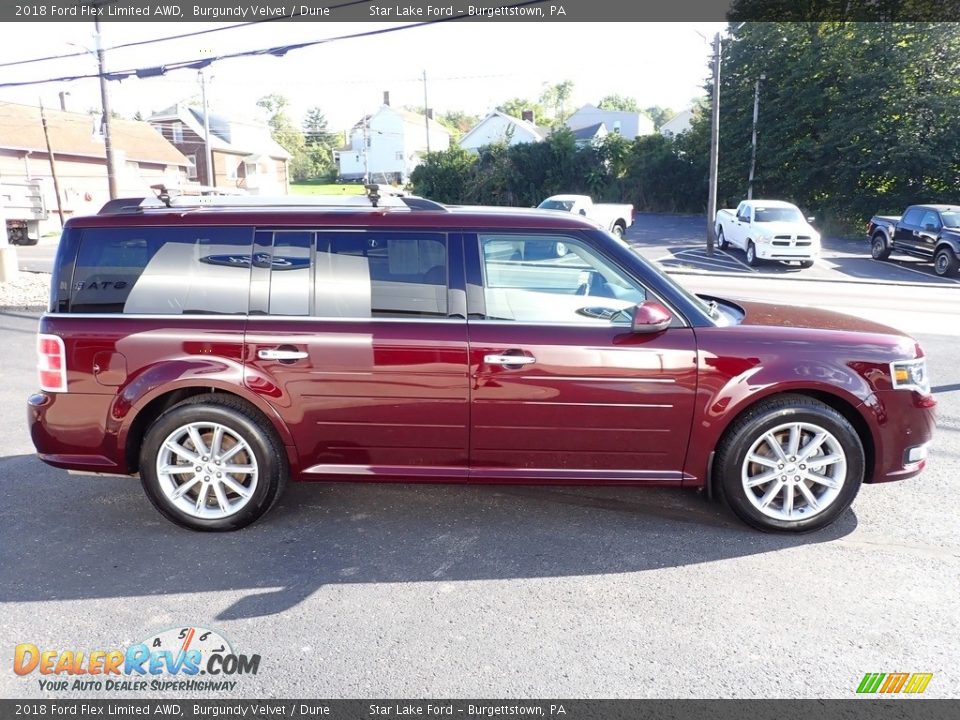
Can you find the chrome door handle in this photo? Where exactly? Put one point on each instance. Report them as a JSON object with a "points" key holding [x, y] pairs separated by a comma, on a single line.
{"points": [[509, 360], [276, 354]]}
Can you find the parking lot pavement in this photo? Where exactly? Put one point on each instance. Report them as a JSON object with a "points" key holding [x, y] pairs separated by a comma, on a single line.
{"points": [[353, 590], [678, 244]]}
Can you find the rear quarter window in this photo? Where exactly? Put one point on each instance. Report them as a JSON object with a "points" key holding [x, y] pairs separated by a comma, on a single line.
{"points": [[162, 271]]}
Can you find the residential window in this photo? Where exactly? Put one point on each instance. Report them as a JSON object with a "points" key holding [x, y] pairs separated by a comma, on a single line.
{"points": [[177, 133], [399, 154], [191, 167], [249, 169]]}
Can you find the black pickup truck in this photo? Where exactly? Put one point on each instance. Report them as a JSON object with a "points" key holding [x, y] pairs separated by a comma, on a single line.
{"points": [[931, 232]]}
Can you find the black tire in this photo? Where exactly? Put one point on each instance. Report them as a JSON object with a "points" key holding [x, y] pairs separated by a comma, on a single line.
{"points": [[722, 240], [775, 413], [878, 247], [945, 262], [806, 264], [752, 259], [246, 422], [618, 230]]}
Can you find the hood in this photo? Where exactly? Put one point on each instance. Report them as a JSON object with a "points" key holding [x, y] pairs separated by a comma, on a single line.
{"points": [[781, 227], [774, 315]]}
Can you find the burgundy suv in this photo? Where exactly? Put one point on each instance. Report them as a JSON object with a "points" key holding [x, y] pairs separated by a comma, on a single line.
{"points": [[220, 350]]}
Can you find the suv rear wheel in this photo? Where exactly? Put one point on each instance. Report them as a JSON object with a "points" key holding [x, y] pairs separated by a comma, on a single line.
{"points": [[209, 464], [791, 464]]}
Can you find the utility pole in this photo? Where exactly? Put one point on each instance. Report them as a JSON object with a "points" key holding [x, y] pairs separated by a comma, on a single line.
{"points": [[207, 153], [105, 103], [714, 145], [753, 149], [53, 164], [366, 162], [426, 110]]}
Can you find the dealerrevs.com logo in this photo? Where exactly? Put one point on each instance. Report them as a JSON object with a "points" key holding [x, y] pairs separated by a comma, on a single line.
{"points": [[190, 659]]}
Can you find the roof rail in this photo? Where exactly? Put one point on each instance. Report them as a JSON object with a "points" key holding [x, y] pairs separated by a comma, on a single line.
{"points": [[377, 196]]}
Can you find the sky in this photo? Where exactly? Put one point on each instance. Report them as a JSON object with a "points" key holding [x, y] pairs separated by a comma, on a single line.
{"points": [[470, 66]]}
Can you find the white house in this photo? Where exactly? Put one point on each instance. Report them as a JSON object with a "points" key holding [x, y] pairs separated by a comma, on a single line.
{"points": [[678, 124], [627, 124], [500, 127], [388, 145]]}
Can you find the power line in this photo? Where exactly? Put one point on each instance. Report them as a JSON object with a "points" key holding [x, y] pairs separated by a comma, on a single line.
{"points": [[138, 43], [276, 51]]}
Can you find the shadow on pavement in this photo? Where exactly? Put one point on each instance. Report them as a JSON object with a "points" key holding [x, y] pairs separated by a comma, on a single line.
{"points": [[66, 537]]}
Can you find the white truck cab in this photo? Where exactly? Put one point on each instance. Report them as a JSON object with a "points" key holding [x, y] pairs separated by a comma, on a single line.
{"points": [[768, 230]]}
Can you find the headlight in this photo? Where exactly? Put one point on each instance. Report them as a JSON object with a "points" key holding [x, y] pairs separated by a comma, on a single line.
{"points": [[910, 375], [763, 238]]}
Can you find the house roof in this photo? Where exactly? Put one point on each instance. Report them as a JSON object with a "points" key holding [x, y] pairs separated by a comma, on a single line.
{"points": [[73, 134], [226, 134], [631, 123], [589, 132], [417, 119]]}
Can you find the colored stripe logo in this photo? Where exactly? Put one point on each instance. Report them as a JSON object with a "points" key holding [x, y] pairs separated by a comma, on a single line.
{"points": [[913, 683]]}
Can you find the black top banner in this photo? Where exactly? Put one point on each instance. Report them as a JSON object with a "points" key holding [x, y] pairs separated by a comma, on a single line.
{"points": [[481, 10]]}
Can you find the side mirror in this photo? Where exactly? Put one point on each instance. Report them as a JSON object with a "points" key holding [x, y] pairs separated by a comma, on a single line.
{"points": [[650, 317], [583, 212], [930, 227], [811, 219]]}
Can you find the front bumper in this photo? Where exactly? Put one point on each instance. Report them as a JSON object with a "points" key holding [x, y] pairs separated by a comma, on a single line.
{"points": [[903, 432], [769, 251]]}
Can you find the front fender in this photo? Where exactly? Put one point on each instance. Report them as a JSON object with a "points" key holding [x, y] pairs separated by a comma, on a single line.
{"points": [[725, 391]]}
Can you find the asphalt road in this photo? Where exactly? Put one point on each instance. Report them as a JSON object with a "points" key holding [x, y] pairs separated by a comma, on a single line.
{"points": [[373, 590]]}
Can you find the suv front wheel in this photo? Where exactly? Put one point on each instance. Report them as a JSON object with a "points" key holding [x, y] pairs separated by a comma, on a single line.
{"points": [[790, 464], [209, 464]]}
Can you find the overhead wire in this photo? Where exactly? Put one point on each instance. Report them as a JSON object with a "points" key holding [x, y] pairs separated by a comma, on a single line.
{"points": [[168, 38], [275, 51]]}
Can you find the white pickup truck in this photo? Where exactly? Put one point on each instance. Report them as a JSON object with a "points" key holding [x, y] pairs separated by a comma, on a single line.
{"points": [[768, 230], [613, 217]]}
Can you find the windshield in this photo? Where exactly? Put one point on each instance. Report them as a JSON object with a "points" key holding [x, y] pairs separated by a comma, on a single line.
{"points": [[951, 218], [778, 215], [556, 205], [709, 307]]}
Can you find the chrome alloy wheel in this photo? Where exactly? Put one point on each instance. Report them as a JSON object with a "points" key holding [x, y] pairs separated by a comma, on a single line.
{"points": [[207, 470], [794, 471]]}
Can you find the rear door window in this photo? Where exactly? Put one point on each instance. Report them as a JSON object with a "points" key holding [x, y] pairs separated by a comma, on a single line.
{"points": [[162, 271], [912, 217], [381, 274]]}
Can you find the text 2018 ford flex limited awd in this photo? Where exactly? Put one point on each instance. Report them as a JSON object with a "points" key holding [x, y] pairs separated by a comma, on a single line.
{"points": [[219, 350]]}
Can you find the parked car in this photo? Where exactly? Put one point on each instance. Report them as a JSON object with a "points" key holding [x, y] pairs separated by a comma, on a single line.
{"points": [[931, 232], [611, 216], [769, 230], [221, 346]]}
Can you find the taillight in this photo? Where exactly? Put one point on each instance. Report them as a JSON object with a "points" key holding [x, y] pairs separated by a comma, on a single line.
{"points": [[51, 363]]}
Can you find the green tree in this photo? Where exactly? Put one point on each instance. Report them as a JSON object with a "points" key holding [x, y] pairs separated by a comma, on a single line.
{"points": [[515, 107], [319, 143], [287, 135], [619, 102], [659, 115], [446, 175], [854, 118], [458, 122], [555, 97]]}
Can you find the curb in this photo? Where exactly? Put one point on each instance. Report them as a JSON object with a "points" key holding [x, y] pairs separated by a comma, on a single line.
{"points": [[23, 308], [847, 281]]}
